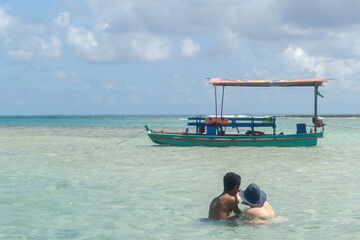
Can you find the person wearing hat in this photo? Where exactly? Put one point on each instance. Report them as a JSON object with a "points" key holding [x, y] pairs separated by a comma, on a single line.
{"points": [[256, 199], [228, 201]]}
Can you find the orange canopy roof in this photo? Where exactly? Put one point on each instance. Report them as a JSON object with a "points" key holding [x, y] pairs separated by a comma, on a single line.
{"points": [[267, 83]]}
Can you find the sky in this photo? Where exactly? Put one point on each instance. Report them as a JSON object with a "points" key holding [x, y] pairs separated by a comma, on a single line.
{"points": [[155, 57]]}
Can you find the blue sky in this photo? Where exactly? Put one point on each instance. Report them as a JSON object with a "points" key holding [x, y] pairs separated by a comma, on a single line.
{"points": [[153, 57]]}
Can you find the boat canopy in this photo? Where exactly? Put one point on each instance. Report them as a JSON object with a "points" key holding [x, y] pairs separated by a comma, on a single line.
{"points": [[268, 83]]}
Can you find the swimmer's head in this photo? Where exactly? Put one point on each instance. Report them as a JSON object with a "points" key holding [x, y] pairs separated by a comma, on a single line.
{"points": [[230, 180], [253, 196]]}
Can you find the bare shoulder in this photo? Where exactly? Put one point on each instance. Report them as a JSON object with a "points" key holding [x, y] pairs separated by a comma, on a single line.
{"points": [[227, 197], [269, 209], [216, 199]]}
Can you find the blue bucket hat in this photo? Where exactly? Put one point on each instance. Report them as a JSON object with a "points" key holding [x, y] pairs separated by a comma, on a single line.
{"points": [[253, 196]]}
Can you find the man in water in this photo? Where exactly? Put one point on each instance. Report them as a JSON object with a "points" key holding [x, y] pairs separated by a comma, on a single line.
{"points": [[221, 206], [256, 199]]}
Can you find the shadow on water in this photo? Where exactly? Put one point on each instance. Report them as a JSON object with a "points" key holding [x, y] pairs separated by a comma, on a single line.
{"points": [[231, 222], [235, 222]]}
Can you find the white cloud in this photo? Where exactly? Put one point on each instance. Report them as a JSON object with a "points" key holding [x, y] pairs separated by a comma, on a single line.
{"points": [[27, 39], [33, 47], [189, 48], [5, 22], [344, 71], [123, 31], [99, 45], [319, 14], [131, 88], [82, 39], [126, 31], [109, 87], [338, 44], [67, 76], [150, 48], [63, 19], [299, 59], [100, 27], [49, 48]]}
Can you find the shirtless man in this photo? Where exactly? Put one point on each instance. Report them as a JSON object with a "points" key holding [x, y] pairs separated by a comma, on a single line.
{"points": [[256, 199], [221, 206]]}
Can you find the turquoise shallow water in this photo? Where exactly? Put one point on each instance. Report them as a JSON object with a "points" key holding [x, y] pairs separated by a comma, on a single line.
{"points": [[68, 178]]}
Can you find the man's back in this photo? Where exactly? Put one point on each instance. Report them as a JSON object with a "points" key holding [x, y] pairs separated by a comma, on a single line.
{"points": [[221, 206]]}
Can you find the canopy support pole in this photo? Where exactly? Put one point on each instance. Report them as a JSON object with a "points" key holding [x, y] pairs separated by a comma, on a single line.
{"points": [[315, 106], [215, 103], [222, 101]]}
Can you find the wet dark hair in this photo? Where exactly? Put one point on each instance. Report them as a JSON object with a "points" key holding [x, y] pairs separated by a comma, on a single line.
{"points": [[230, 180]]}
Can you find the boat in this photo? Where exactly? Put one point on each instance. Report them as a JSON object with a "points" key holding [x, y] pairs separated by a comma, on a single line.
{"points": [[212, 131]]}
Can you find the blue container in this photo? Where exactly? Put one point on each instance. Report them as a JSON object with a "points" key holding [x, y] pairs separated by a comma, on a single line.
{"points": [[301, 128], [211, 130]]}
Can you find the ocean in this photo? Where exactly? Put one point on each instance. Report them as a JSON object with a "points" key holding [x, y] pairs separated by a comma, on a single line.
{"points": [[100, 177]]}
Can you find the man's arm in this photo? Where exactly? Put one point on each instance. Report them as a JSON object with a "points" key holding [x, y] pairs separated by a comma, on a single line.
{"points": [[235, 206]]}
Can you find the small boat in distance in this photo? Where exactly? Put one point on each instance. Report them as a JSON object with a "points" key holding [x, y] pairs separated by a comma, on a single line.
{"points": [[211, 130]]}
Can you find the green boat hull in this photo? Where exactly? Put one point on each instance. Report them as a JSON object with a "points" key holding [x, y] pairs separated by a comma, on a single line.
{"points": [[180, 139]]}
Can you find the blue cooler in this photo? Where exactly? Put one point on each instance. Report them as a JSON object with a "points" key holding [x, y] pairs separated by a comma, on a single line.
{"points": [[301, 128], [211, 130]]}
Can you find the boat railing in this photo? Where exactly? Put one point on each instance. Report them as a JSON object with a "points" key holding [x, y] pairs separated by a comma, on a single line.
{"points": [[215, 125]]}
